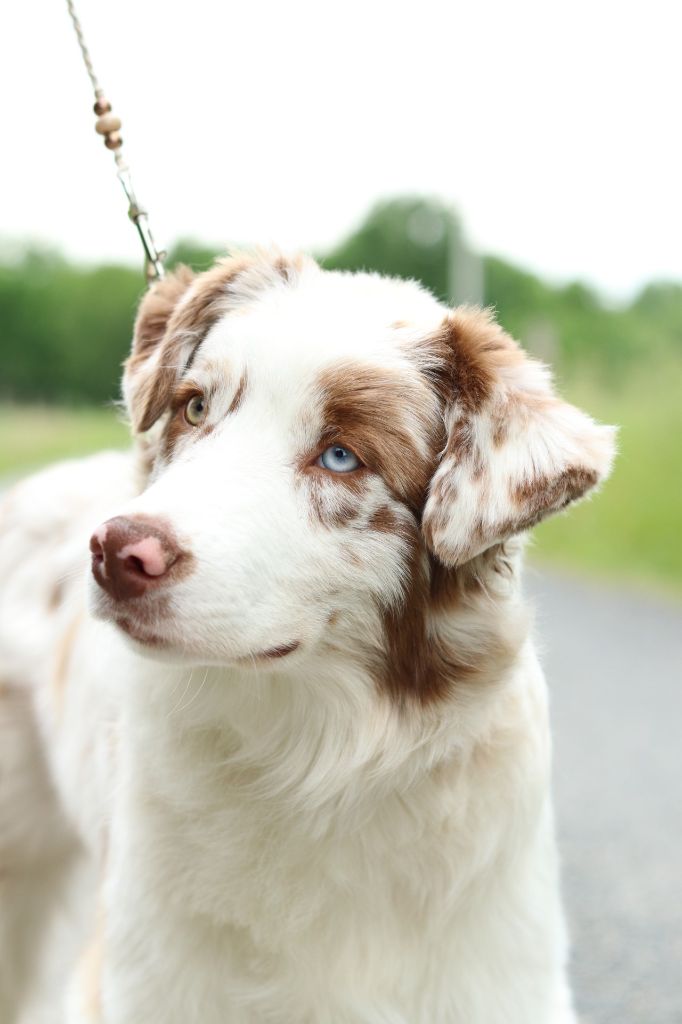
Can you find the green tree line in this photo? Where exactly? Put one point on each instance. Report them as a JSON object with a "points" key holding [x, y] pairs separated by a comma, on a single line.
{"points": [[65, 329]]}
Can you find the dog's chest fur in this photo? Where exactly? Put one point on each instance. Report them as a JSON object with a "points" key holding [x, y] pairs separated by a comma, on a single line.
{"points": [[325, 889]]}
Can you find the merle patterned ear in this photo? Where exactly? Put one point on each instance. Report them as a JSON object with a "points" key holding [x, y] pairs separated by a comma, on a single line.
{"points": [[515, 452], [144, 377]]}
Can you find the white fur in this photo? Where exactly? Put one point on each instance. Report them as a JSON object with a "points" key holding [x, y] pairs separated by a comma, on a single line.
{"points": [[231, 839]]}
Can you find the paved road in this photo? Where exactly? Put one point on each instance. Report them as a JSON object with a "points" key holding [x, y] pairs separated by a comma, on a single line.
{"points": [[614, 664]]}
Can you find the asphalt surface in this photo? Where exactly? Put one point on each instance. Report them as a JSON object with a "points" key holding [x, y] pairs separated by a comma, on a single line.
{"points": [[613, 660]]}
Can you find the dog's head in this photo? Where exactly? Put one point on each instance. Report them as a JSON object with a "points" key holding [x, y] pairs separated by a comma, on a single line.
{"points": [[328, 449]]}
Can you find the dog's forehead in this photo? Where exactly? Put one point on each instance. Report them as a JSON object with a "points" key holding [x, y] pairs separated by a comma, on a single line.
{"points": [[294, 332]]}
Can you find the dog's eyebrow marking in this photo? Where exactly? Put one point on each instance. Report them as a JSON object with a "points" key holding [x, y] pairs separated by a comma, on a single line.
{"points": [[184, 390], [193, 353], [239, 393], [388, 417]]}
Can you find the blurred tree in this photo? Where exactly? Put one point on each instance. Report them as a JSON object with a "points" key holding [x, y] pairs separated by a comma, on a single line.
{"points": [[192, 253], [661, 303], [408, 237], [64, 330]]}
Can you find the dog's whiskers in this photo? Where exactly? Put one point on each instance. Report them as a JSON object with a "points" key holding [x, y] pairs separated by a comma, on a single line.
{"points": [[193, 699], [184, 693]]}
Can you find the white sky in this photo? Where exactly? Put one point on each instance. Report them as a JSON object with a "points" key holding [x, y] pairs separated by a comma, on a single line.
{"points": [[553, 126]]}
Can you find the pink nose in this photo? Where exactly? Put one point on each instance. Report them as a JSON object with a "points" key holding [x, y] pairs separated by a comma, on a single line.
{"points": [[132, 554]]}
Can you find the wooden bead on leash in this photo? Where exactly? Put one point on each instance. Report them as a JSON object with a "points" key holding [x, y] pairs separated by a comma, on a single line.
{"points": [[108, 127], [107, 124]]}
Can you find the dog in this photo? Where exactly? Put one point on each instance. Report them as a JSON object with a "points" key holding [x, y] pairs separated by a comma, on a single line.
{"points": [[281, 752]]}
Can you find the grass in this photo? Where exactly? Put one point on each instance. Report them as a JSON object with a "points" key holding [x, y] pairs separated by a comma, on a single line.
{"points": [[31, 436], [630, 531]]}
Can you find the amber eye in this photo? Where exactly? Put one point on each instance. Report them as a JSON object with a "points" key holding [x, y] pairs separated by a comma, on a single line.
{"points": [[195, 410]]}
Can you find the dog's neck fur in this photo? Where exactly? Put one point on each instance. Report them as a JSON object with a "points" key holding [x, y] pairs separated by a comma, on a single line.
{"points": [[308, 747], [338, 794], [311, 727]]}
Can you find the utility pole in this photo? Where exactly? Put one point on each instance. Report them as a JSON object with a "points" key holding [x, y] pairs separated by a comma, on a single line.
{"points": [[465, 268]]}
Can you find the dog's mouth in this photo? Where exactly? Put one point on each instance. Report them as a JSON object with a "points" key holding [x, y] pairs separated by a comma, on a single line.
{"points": [[153, 624], [271, 653], [142, 634], [142, 619]]}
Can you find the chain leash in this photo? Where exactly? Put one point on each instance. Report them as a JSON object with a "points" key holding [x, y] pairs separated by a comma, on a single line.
{"points": [[108, 125]]}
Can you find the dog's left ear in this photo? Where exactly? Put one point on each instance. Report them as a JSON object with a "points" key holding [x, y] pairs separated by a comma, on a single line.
{"points": [[147, 374], [515, 452]]}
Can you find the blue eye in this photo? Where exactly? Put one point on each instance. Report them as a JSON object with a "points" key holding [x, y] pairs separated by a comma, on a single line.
{"points": [[338, 459]]}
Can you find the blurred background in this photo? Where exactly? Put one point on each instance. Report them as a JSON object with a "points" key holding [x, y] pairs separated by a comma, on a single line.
{"points": [[525, 156]]}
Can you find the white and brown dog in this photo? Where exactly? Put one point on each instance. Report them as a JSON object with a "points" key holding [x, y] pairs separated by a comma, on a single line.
{"points": [[295, 767]]}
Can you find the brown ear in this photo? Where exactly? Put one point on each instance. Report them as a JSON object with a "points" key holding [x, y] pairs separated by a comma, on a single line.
{"points": [[515, 452], [144, 377]]}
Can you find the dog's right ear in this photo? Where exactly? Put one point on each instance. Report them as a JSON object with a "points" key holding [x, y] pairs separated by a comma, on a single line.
{"points": [[145, 377], [515, 452]]}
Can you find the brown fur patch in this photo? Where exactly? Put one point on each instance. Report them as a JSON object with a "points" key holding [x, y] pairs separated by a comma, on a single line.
{"points": [[500, 427], [375, 412], [418, 665], [289, 268], [445, 586], [530, 503], [155, 309], [383, 520], [538, 496], [453, 586], [335, 499], [468, 352], [460, 443], [177, 426]]}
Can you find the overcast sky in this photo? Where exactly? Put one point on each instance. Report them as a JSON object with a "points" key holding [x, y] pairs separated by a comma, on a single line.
{"points": [[554, 127]]}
